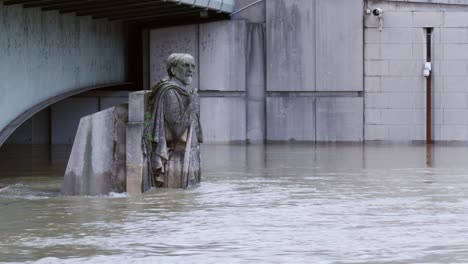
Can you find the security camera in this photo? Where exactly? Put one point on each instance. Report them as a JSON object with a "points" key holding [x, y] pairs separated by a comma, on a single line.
{"points": [[377, 12]]}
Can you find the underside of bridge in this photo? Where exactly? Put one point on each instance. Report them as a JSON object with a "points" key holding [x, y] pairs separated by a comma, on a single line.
{"points": [[139, 13], [56, 49]]}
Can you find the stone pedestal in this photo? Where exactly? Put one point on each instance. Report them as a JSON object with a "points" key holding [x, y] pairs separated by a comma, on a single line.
{"points": [[136, 123], [97, 161]]}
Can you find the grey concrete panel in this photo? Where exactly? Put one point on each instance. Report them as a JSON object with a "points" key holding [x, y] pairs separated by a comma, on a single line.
{"points": [[339, 45], [290, 118], [66, 116], [340, 119], [164, 42], [135, 163], [290, 45], [223, 119], [255, 83], [45, 54], [137, 105], [222, 55]]}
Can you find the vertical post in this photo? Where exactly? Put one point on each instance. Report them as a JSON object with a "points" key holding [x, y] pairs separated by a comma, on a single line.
{"points": [[428, 88]]}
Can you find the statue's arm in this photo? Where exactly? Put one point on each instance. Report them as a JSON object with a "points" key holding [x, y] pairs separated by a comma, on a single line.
{"points": [[176, 114]]}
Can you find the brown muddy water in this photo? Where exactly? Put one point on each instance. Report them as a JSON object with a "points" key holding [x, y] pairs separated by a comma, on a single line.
{"points": [[256, 204]]}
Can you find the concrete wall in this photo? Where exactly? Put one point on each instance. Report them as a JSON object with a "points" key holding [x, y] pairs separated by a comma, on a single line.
{"points": [[314, 70], [395, 97], [46, 54]]}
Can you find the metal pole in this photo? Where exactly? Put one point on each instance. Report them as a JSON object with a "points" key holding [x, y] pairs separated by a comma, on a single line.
{"points": [[428, 89]]}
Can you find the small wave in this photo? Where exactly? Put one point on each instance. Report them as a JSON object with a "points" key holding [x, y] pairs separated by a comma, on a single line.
{"points": [[117, 195]]}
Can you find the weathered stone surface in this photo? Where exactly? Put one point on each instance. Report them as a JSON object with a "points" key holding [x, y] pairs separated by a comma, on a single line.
{"points": [[223, 119], [222, 55], [340, 118], [165, 41], [290, 118], [96, 164], [136, 103], [135, 127], [290, 45], [135, 162], [339, 50], [46, 54]]}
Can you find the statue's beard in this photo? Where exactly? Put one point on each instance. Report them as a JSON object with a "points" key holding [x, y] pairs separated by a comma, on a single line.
{"points": [[187, 80]]}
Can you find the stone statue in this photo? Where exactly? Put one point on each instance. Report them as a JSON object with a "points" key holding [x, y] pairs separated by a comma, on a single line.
{"points": [[173, 132]]}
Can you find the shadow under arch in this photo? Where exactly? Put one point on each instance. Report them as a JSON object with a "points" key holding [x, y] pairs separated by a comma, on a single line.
{"points": [[6, 132]]}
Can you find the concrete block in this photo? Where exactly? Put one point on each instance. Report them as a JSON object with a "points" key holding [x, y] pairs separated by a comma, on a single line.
{"points": [[453, 100], [451, 68], [97, 161], [454, 35], [66, 116], [406, 100], [405, 133], [455, 116], [456, 19], [135, 162], [437, 132], [455, 84], [404, 68], [375, 67], [397, 19], [419, 52], [337, 46], [375, 132], [390, 35], [420, 35], [339, 119], [396, 51], [372, 36], [372, 52], [137, 102], [290, 118], [403, 84], [165, 41], [223, 119], [290, 45], [428, 19], [222, 55], [372, 84], [456, 52], [376, 100], [438, 116], [403, 116], [454, 132], [437, 100], [372, 116]]}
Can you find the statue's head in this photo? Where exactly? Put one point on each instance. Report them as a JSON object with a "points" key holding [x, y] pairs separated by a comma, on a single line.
{"points": [[181, 66]]}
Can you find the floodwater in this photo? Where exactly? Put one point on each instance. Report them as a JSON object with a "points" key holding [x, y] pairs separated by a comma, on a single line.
{"points": [[257, 204]]}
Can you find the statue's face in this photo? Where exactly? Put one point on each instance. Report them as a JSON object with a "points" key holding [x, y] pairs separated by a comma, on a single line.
{"points": [[184, 70]]}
